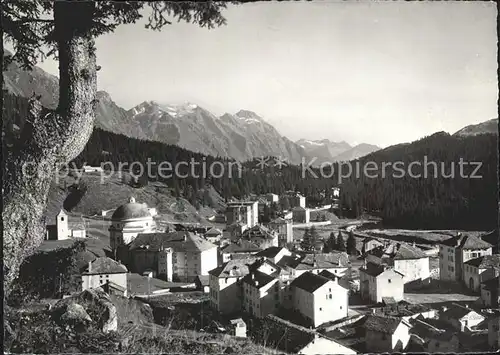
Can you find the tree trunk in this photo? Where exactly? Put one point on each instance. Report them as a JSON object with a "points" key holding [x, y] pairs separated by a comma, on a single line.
{"points": [[49, 138]]}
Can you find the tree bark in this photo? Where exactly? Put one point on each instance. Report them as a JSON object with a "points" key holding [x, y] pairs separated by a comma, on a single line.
{"points": [[49, 138]]}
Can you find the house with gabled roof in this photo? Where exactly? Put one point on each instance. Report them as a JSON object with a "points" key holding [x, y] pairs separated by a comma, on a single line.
{"points": [[261, 236], [433, 339], [274, 254], [291, 338], [336, 262], [461, 317], [490, 292], [407, 259], [183, 255], [378, 281], [480, 269], [239, 249], [225, 285], [319, 299], [457, 250], [284, 227], [386, 334], [103, 270], [261, 293]]}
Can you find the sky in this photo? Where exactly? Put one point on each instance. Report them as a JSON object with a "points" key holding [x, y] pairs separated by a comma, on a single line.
{"points": [[362, 72]]}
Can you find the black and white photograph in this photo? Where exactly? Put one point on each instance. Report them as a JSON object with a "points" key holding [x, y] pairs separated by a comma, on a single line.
{"points": [[250, 177]]}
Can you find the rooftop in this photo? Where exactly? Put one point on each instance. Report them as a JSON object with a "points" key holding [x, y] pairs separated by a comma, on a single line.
{"points": [[383, 324], [105, 265], [179, 241], [485, 261], [309, 282], [270, 252], [257, 279], [398, 251], [241, 246], [233, 268], [204, 279], [427, 331], [131, 210], [471, 242], [213, 232], [456, 311], [491, 284], [143, 285], [321, 261], [259, 232], [375, 270]]}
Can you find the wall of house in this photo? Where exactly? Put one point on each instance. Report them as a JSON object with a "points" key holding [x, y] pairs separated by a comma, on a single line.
{"points": [[471, 277], [367, 287], [330, 303], [93, 281], [447, 269], [413, 269], [126, 231], [321, 345], [494, 333], [269, 298], [303, 302], [443, 346], [78, 233], [165, 264], [339, 271], [400, 337], [466, 255], [470, 320], [144, 259], [208, 261], [389, 284], [225, 294]]}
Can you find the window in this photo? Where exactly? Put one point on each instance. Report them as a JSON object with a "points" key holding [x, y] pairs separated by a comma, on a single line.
{"points": [[330, 296], [340, 307], [320, 308], [437, 344], [62, 218], [389, 280]]}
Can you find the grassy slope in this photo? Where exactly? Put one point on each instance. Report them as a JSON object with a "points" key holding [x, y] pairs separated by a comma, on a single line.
{"points": [[112, 192]]}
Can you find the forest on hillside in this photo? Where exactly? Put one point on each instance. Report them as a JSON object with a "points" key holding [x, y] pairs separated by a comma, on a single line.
{"points": [[432, 202]]}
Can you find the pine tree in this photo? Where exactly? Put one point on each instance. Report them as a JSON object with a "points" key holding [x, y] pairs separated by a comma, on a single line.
{"points": [[351, 244], [340, 243], [306, 243]]}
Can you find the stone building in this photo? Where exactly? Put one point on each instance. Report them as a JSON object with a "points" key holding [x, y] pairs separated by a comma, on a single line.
{"points": [[127, 222], [378, 281], [178, 256], [455, 251]]}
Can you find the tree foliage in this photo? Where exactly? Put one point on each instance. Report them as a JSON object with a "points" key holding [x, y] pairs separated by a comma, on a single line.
{"points": [[29, 24]]}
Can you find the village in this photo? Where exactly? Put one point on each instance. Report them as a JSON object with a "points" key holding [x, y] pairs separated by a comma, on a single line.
{"points": [[298, 279]]}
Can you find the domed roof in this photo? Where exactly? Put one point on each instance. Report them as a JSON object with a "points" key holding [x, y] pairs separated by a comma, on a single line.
{"points": [[131, 210]]}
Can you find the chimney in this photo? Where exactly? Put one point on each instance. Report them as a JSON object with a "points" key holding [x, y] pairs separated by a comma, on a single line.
{"points": [[467, 306], [90, 267], [256, 283], [253, 276], [444, 309], [374, 310]]}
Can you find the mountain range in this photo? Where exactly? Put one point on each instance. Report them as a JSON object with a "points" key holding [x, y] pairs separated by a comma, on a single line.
{"points": [[243, 135], [327, 151]]}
